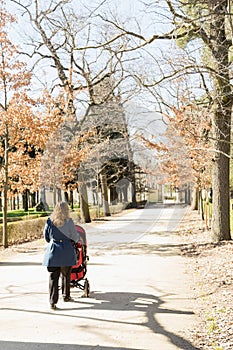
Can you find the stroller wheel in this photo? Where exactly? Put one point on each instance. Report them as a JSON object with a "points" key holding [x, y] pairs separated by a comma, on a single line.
{"points": [[86, 288]]}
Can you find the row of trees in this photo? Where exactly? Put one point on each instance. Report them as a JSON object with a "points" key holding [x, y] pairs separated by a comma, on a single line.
{"points": [[42, 142], [190, 86], [25, 125], [204, 31]]}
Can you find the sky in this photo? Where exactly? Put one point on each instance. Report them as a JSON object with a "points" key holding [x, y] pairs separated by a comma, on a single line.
{"points": [[130, 12], [141, 115], [136, 17], [150, 19]]}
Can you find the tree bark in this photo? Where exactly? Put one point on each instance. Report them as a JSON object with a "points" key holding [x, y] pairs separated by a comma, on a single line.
{"points": [[83, 198], [194, 201], [220, 179], [222, 110], [84, 208], [5, 191], [25, 200], [104, 188], [33, 199]]}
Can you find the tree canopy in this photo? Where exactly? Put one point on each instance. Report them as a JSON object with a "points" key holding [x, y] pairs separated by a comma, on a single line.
{"points": [[87, 44]]}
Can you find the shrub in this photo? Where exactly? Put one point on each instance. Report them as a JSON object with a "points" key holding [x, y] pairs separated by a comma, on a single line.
{"points": [[23, 231]]}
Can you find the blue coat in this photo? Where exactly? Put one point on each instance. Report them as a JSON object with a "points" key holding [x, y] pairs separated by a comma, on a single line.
{"points": [[60, 250]]}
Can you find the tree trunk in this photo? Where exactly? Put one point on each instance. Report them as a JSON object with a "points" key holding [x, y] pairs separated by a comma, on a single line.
{"points": [[84, 208], [5, 233], [5, 191], [66, 195], [104, 189], [71, 199], [54, 196], [194, 201], [59, 195], [43, 199], [25, 200], [33, 199], [201, 206], [17, 201], [83, 198], [125, 193], [220, 180], [134, 201], [187, 196], [14, 203], [222, 110]]}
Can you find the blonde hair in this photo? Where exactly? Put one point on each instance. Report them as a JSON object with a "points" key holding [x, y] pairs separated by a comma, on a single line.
{"points": [[60, 214]]}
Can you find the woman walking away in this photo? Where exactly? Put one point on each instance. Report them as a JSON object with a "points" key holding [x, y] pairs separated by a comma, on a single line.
{"points": [[60, 255]]}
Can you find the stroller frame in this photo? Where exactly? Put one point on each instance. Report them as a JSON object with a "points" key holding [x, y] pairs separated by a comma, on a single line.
{"points": [[78, 277]]}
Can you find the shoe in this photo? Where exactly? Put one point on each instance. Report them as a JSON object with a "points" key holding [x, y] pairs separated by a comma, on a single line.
{"points": [[53, 306], [68, 299]]}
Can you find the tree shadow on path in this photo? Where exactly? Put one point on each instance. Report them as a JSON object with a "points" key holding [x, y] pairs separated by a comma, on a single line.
{"points": [[11, 345], [149, 304]]}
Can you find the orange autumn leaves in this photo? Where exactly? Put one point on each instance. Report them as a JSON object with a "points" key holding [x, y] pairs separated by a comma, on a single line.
{"points": [[26, 124], [185, 155]]}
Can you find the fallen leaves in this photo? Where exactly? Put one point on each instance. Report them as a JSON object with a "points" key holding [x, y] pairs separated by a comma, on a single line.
{"points": [[211, 268]]}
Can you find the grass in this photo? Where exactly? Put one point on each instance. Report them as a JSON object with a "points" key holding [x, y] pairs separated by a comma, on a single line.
{"points": [[21, 213]]}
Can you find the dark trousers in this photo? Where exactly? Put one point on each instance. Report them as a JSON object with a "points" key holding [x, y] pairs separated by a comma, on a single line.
{"points": [[54, 274]]}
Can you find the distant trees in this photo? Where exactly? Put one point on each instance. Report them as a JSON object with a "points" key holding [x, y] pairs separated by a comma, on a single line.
{"points": [[82, 60], [204, 31], [110, 156], [193, 125], [68, 43], [25, 124], [43, 140], [211, 23], [185, 153]]}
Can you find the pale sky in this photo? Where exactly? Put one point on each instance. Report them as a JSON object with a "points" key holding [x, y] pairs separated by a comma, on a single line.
{"points": [[129, 10]]}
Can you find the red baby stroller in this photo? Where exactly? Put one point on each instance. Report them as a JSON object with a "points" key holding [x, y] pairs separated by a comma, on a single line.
{"points": [[78, 272]]}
